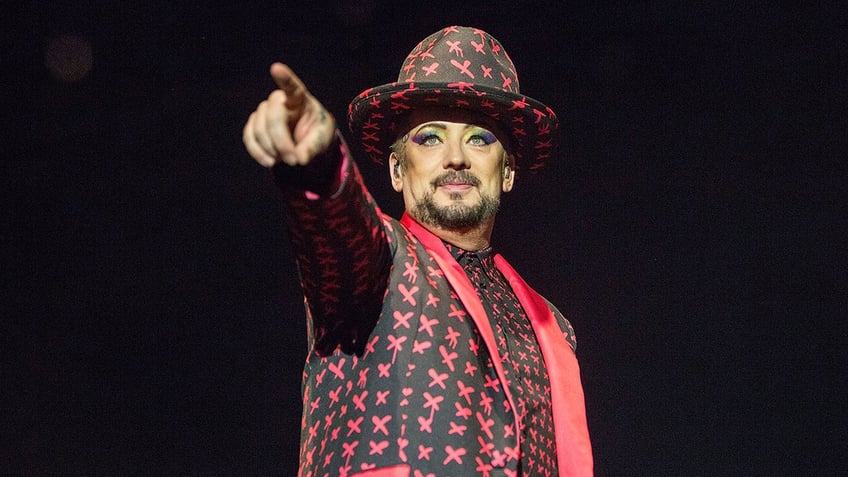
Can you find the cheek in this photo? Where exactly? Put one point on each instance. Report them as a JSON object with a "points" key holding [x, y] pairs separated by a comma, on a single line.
{"points": [[416, 178], [414, 186]]}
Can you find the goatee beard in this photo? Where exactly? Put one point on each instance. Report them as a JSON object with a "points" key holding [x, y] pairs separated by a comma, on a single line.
{"points": [[456, 216]]}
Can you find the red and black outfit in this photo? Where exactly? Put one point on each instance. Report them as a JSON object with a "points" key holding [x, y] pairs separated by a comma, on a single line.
{"points": [[428, 360]]}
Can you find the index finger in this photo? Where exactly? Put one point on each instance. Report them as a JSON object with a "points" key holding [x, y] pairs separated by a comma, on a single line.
{"points": [[290, 84]]}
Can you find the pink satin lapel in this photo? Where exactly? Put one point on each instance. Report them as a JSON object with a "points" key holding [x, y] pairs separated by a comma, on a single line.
{"points": [[574, 449], [462, 286]]}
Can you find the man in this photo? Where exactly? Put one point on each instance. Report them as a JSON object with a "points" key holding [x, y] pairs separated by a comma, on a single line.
{"points": [[429, 356]]}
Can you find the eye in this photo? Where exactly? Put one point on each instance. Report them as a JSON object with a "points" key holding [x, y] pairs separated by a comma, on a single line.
{"points": [[431, 140], [427, 138], [482, 138]]}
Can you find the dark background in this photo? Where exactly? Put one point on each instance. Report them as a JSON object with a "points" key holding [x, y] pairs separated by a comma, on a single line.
{"points": [[693, 228]]}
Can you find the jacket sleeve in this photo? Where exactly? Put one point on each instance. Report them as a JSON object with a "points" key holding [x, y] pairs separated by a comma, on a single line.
{"points": [[564, 326], [340, 245]]}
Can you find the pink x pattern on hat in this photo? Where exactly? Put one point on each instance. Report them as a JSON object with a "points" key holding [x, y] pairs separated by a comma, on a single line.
{"points": [[456, 67]]}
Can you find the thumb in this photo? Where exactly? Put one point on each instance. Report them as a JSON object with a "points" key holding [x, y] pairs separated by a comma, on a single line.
{"points": [[314, 142]]}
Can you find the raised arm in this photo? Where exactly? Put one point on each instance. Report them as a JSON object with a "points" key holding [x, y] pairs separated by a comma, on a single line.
{"points": [[336, 229]]}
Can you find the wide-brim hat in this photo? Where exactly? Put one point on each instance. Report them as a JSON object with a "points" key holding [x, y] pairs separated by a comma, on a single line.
{"points": [[456, 67]]}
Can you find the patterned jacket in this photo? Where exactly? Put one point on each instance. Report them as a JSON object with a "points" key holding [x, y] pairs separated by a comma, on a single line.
{"points": [[403, 377]]}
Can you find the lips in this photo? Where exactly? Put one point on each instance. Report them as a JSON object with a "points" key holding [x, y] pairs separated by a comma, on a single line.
{"points": [[456, 186]]}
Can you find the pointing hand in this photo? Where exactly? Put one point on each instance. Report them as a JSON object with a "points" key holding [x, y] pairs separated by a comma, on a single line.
{"points": [[291, 126]]}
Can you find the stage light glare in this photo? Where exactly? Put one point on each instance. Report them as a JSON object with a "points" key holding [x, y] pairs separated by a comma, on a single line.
{"points": [[68, 58]]}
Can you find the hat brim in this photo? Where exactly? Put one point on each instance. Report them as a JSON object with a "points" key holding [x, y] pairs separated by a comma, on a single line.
{"points": [[376, 116]]}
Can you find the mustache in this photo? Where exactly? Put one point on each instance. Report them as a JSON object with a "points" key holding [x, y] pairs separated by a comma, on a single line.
{"points": [[451, 177]]}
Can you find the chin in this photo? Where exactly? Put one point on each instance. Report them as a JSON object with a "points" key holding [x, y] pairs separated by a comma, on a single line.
{"points": [[449, 199], [456, 214]]}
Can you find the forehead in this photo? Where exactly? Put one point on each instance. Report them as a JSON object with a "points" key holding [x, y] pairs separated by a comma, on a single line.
{"points": [[421, 116]]}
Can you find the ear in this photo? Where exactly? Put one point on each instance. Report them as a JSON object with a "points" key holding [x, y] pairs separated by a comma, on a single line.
{"points": [[395, 173], [508, 175]]}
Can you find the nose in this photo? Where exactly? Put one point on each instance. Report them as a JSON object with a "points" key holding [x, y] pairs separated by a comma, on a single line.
{"points": [[455, 157]]}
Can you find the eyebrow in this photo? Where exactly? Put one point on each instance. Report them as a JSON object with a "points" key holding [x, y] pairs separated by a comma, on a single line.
{"points": [[443, 126], [431, 125]]}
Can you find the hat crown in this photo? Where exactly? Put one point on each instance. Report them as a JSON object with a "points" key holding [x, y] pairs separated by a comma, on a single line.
{"points": [[456, 67], [461, 55]]}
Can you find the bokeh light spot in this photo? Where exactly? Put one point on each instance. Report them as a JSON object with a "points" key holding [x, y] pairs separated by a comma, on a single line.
{"points": [[68, 58]]}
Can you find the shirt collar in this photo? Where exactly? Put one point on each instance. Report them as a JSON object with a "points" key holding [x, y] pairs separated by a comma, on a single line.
{"points": [[486, 255]]}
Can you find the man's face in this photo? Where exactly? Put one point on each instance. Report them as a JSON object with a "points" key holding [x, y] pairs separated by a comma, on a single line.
{"points": [[452, 169]]}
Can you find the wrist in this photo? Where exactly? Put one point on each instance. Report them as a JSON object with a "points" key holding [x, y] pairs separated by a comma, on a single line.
{"points": [[318, 176]]}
